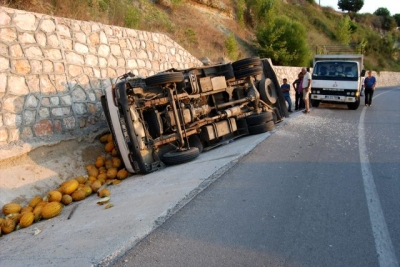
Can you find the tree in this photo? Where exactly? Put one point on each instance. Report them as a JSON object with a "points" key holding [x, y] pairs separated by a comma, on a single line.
{"points": [[389, 23], [397, 18], [343, 31], [350, 5], [284, 41], [383, 12]]}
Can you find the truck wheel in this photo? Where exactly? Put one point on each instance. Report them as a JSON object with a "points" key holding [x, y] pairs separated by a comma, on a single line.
{"points": [[257, 119], [248, 72], [180, 156], [194, 141], [226, 70], [267, 91], [315, 103], [163, 78], [261, 128], [242, 126], [246, 62], [270, 125], [355, 105]]}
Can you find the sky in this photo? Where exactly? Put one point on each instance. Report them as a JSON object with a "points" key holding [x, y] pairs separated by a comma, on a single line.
{"points": [[370, 6]]}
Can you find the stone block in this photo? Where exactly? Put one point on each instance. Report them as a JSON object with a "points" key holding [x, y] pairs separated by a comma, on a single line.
{"points": [[47, 86], [81, 48], [21, 66], [33, 52], [43, 128], [79, 94], [4, 63], [26, 133], [13, 120], [44, 113], [25, 21], [33, 83], [3, 82], [69, 123], [17, 85], [31, 102], [4, 18], [53, 41], [53, 54], [57, 126], [3, 135], [47, 25], [41, 38], [63, 30], [8, 35], [29, 117], [13, 135], [16, 51], [74, 58]]}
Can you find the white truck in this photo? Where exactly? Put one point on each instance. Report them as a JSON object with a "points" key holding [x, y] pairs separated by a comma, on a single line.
{"points": [[337, 79]]}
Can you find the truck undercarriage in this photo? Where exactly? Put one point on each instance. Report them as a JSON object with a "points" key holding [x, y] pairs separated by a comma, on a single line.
{"points": [[170, 117]]}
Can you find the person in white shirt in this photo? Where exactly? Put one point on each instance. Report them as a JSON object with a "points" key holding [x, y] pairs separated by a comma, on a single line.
{"points": [[306, 89]]}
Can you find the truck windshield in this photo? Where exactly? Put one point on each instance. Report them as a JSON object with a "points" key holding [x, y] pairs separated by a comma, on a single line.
{"points": [[335, 70]]}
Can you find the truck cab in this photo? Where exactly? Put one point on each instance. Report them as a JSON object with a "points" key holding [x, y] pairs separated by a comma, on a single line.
{"points": [[337, 79]]}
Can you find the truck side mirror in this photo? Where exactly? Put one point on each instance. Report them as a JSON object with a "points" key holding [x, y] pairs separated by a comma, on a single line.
{"points": [[362, 73]]}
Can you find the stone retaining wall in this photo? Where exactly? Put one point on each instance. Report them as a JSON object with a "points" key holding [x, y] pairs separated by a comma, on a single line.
{"points": [[53, 71]]}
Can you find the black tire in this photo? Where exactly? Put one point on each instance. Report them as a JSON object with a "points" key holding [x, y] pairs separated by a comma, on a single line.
{"points": [[246, 62], [270, 125], [240, 74], [226, 70], [257, 119], [267, 91], [163, 78], [275, 118], [242, 126], [315, 103], [355, 105], [261, 128], [180, 156], [194, 141]]}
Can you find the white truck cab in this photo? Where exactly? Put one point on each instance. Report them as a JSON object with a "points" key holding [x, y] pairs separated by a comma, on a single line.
{"points": [[337, 78]]}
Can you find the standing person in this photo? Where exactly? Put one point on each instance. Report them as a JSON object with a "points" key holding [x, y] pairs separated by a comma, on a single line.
{"points": [[298, 87], [369, 87], [285, 87], [362, 86], [306, 89]]}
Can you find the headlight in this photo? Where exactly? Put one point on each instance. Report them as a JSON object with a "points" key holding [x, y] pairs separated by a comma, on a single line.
{"points": [[348, 93], [318, 92], [352, 93]]}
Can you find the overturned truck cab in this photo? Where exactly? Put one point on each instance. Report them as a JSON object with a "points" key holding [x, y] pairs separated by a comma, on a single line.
{"points": [[170, 117]]}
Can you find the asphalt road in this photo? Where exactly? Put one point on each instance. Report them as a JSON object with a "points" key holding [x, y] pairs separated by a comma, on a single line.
{"points": [[323, 190]]}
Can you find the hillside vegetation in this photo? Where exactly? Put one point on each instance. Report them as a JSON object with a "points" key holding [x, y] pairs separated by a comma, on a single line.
{"points": [[287, 31]]}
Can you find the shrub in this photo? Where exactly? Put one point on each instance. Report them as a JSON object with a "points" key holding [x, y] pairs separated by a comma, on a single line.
{"points": [[284, 41], [132, 17], [232, 47]]}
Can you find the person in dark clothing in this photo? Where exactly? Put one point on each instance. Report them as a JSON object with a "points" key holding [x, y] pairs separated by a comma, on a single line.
{"points": [[369, 88], [285, 87], [298, 87]]}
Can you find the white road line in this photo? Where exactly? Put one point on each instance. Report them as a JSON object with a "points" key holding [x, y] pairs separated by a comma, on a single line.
{"points": [[383, 243]]}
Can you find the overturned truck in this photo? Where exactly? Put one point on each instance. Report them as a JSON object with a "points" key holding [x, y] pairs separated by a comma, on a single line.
{"points": [[170, 117]]}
